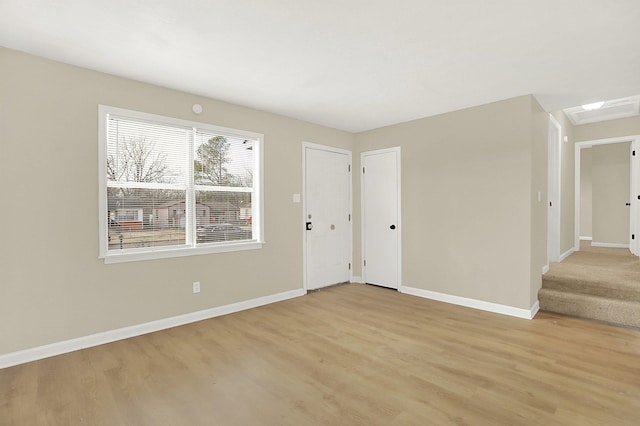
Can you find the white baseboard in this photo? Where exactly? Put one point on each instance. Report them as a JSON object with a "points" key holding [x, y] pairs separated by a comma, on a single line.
{"points": [[585, 238], [611, 245], [355, 279], [58, 348], [534, 310], [562, 257], [472, 303], [566, 254]]}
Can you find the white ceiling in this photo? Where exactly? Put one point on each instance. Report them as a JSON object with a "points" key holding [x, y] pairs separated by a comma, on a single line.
{"points": [[349, 64]]}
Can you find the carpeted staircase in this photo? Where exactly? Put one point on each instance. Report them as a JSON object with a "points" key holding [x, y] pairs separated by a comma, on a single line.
{"points": [[597, 283]]}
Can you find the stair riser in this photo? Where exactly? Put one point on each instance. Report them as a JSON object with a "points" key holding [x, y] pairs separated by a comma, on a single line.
{"points": [[591, 289], [613, 311]]}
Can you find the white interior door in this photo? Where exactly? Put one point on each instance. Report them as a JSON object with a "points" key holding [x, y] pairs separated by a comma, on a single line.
{"points": [[381, 226], [327, 215]]}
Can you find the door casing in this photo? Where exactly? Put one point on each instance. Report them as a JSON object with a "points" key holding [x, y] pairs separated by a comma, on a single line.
{"points": [[634, 244], [553, 190]]}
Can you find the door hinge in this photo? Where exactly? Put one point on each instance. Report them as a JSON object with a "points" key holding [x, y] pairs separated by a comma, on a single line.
{"points": [[633, 236], [550, 204], [633, 153], [365, 263], [349, 266], [349, 168], [349, 217], [363, 170]]}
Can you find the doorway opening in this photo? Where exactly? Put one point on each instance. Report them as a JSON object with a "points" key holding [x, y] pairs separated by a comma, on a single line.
{"points": [[614, 221]]}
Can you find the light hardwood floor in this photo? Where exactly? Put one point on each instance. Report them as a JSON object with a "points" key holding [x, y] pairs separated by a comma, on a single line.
{"points": [[351, 354]]}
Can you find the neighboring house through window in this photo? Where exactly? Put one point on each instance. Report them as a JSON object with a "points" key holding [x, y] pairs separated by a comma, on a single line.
{"points": [[171, 187]]}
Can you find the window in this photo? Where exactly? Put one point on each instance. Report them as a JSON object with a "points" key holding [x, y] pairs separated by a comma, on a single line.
{"points": [[171, 187]]}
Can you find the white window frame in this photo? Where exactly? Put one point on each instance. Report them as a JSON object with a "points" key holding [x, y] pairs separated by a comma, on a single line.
{"points": [[190, 248]]}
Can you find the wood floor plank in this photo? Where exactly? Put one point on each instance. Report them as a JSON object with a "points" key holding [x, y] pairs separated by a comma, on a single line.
{"points": [[346, 355]]}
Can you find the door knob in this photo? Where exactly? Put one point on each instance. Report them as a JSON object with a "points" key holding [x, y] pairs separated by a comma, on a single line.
{"points": [[392, 227], [627, 204]]}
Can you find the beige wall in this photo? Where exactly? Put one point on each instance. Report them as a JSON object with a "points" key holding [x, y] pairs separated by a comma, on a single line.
{"points": [[539, 211], [52, 285], [607, 129], [610, 191], [586, 204], [472, 224], [468, 200]]}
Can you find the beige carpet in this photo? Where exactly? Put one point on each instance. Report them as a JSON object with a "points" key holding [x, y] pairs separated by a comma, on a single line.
{"points": [[595, 282]]}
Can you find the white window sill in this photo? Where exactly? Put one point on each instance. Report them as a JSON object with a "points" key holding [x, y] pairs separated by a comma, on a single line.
{"points": [[162, 253]]}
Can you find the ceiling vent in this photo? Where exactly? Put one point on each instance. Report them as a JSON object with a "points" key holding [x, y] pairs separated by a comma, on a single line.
{"points": [[610, 110]]}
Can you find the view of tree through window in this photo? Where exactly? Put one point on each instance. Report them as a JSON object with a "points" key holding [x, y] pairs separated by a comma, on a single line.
{"points": [[168, 185]]}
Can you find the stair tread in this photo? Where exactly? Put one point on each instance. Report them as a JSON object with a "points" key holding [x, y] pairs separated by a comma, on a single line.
{"points": [[594, 274]]}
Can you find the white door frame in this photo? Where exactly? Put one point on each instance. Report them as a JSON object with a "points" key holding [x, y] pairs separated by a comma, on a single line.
{"points": [[634, 216], [305, 146], [554, 158], [397, 150]]}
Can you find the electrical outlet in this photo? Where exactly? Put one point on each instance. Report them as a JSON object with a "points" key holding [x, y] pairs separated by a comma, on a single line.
{"points": [[196, 287]]}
